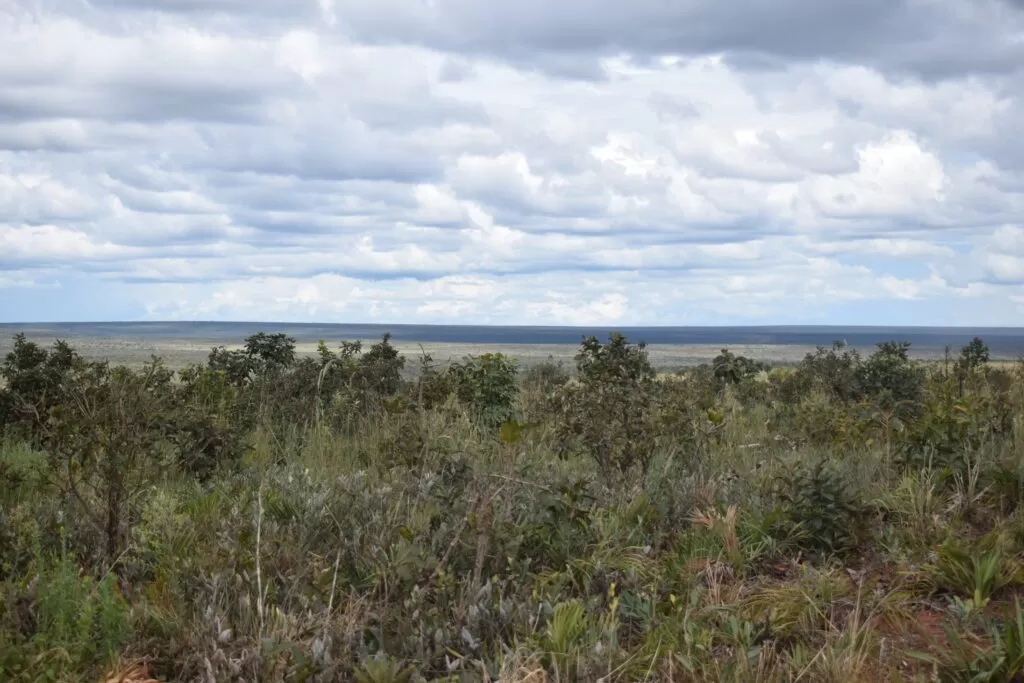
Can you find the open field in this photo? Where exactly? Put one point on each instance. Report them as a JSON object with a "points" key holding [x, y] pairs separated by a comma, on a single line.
{"points": [[181, 344], [279, 516], [181, 352]]}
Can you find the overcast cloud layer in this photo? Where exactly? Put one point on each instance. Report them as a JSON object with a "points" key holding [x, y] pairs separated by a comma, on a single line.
{"points": [[513, 162]]}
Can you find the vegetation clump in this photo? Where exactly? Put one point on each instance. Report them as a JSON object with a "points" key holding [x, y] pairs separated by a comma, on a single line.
{"points": [[345, 515]]}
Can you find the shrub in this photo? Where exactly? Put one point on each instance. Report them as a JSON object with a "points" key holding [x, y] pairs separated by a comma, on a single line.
{"points": [[211, 422], [545, 377], [78, 625], [607, 412], [817, 507], [730, 369], [949, 427], [262, 354], [105, 444], [833, 370], [889, 376], [539, 385], [37, 381], [974, 355], [487, 386], [378, 372]]}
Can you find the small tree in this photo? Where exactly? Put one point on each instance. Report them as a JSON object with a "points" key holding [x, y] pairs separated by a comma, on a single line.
{"points": [[974, 355], [104, 443], [487, 384], [379, 370], [263, 354], [890, 377], [832, 370], [607, 413], [211, 422], [270, 352], [730, 369], [36, 381]]}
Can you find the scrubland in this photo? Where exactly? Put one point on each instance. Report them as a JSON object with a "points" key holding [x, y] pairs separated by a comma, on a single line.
{"points": [[356, 515]]}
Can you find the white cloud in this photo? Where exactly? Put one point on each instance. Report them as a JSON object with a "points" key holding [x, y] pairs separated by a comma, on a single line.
{"points": [[540, 164]]}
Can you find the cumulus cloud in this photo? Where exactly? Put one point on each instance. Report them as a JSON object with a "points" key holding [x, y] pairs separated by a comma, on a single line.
{"points": [[583, 162]]}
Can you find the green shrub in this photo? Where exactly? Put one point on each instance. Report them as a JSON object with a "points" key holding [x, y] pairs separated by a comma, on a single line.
{"points": [[108, 441], [832, 371], [889, 376], [378, 372], [730, 369], [487, 386], [36, 382], [211, 421], [607, 412], [78, 625], [815, 501]]}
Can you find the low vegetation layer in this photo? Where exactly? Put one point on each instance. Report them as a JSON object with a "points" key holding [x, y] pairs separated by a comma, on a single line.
{"points": [[268, 518]]}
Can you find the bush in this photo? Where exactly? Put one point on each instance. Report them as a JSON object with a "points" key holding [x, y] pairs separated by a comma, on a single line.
{"points": [[263, 354], [211, 422], [607, 411], [834, 371], [487, 386], [890, 377], [37, 381], [74, 626], [730, 369], [818, 509], [378, 372], [107, 442]]}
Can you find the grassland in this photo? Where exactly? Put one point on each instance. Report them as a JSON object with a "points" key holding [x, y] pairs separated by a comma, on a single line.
{"points": [[280, 513], [178, 352]]}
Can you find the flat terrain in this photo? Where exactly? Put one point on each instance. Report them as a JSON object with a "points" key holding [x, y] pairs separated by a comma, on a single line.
{"points": [[180, 344], [180, 352]]}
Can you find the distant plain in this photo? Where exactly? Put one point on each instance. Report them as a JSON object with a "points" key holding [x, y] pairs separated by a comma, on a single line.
{"points": [[182, 343]]}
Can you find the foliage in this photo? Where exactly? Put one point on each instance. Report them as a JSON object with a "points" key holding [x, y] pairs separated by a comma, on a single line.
{"points": [[77, 624], [971, 573], [487, 386], [383, 670], [212, 423], [974, 355], [834, 371], [889, 376], [379, 370], [967, 658], [263, 354], [37, 381], [282, 516], [607, 411], [731, 369], [815, 500]]}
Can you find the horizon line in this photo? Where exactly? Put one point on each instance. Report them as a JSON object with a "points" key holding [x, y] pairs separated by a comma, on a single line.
{"points": [[608, 326]]}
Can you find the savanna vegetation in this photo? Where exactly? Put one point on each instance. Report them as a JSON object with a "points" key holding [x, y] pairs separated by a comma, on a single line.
{"points": [[359, 516]]}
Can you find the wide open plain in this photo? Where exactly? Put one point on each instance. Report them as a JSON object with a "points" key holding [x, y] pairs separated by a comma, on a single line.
{"points": [[180, 344]]}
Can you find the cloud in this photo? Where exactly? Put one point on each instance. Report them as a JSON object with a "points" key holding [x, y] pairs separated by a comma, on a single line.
{"points": [[930, 39], [524, 163]]}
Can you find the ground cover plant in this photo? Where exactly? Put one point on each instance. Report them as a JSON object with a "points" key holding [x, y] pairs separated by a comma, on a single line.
{"points": [[354, 515]]}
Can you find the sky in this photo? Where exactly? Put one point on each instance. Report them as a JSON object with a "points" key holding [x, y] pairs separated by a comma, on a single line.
{"points": [[581, 162]]}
